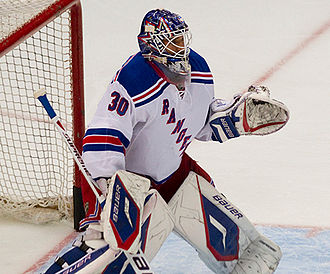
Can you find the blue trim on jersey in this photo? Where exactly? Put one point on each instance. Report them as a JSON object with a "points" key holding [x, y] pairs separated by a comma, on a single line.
{"points": [[202, 81], [103, 147], [197, 62], [110, 132], [153, 97], [137, 75], [161, 181]]}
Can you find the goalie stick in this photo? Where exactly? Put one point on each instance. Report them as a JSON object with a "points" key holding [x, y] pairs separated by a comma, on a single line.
{"points": [[138, 261]]}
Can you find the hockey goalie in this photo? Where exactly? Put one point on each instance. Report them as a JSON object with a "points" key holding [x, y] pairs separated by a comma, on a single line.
{"points": [[158, 102]]}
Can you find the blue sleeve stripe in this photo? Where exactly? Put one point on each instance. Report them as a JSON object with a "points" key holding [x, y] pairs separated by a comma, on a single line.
{"points": [[103, 147], [202, 81], [109, 132], [153, 97]]}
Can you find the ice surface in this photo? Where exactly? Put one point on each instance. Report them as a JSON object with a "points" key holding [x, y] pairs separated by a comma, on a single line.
{"points": [[280, 180]]}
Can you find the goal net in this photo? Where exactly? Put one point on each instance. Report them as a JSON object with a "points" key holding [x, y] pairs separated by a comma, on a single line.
{"points": [[40, 47]]}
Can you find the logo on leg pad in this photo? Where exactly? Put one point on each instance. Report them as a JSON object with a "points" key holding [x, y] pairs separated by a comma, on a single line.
{"points": [[228, 206], [116, 203]]}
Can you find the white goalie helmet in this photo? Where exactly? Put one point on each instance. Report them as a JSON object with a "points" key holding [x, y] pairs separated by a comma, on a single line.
{"points": [[165, 38]]}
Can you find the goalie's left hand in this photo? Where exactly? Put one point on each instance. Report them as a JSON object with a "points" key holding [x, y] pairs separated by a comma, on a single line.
{"points": [[250, 113]]}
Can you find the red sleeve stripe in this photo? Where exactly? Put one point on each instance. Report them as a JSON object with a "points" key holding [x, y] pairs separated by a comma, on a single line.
{"points": [[203, 75], [94, 139]]}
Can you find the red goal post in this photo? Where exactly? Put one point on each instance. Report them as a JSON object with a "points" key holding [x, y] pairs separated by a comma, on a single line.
{"points": [[40, 47]]}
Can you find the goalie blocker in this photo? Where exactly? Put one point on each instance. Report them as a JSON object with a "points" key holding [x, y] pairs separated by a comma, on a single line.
{"points": [[250, 113]]}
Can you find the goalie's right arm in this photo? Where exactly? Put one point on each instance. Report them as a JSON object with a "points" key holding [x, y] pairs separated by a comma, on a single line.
{"points": [[250, 113]]}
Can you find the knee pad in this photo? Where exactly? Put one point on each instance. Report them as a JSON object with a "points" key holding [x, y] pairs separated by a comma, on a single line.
{"points": [[157, 226]]}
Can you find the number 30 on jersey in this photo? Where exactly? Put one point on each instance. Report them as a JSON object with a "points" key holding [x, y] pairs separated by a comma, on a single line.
{"points": [[118, 103]]}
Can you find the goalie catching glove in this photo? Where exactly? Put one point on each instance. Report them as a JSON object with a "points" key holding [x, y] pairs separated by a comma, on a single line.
{"points": [[250, 113]]}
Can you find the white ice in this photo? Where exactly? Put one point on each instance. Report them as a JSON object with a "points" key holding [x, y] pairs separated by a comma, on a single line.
{"points": [[281, 179]]}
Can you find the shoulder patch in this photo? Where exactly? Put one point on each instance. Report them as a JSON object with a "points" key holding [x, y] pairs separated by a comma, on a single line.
{"points": [[137, 76]]}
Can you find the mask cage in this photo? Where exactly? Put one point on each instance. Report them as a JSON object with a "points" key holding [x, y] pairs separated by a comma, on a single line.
{"points": [[166, 44]]}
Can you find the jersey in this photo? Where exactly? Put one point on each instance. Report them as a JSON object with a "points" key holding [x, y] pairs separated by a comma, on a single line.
{"points": [[143, 124]]}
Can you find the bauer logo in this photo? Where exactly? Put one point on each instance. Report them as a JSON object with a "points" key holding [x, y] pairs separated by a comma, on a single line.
{"points": [[116, 200], [124, 215], [81, 263], [228, 206], [84, 261], [227, 128]]}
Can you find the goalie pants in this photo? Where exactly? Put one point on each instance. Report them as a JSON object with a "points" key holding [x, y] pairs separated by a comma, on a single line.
{"points": [[170, 187]]}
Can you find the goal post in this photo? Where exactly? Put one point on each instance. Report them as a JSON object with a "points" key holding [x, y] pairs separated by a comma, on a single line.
{"points": [[40, 47]]}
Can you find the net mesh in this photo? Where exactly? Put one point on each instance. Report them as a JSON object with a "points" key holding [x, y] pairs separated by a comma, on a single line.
{"points": [[36, 170]]}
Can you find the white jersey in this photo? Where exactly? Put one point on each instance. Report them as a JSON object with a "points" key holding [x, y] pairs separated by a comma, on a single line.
{"points": [[143, 124]]}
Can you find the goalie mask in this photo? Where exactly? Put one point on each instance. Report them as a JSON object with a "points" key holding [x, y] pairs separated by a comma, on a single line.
{"points": [[165, 38]]}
